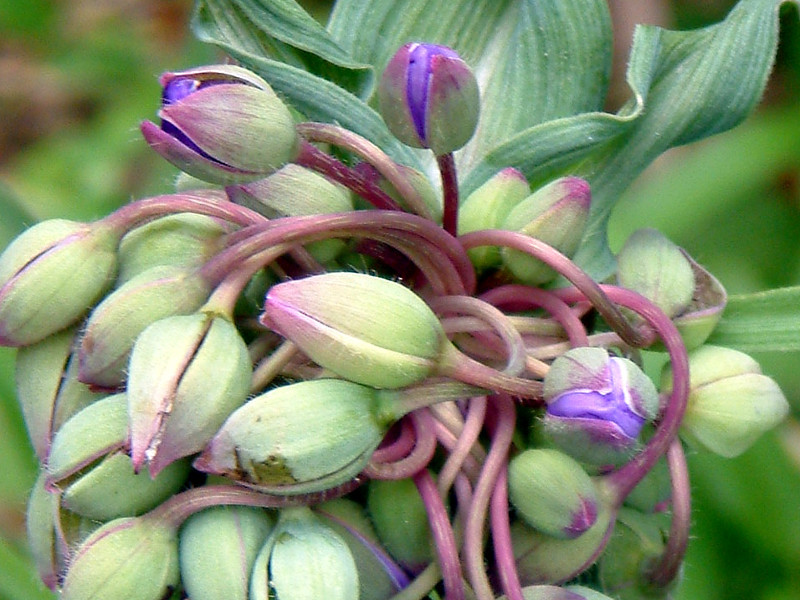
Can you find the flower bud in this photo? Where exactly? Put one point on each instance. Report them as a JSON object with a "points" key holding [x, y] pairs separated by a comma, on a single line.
{"points": [[430, 198], [297, 191], [378, 576], [652, 493], [38, 374], [544, 559], [222, 124], [42, 525], [638, 541], [487, 208], [597, 405], [182, 240], [50, 275], [650, 264], [135, 558], [556, 214], [218, 547], [731, 403], [303, 560], [366, 329], [90, 466], [187, 374], [429, 98], [117, 321], [298, 438], [401, 521], [552, 492], [702, 315]]}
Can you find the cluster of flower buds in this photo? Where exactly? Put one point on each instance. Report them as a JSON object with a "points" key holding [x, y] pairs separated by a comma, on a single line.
{"points": [[300, 385]]}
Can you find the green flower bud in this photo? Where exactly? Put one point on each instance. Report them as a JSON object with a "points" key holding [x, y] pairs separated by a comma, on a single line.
{"points": [[638, 541], [597, 405], [49, 277], [731, 403], [218, 547], [187, 374], [296, 191], [552, 492], [379, 578], [114, 325], [401, 521], [430, 198], [650, 264], [366, 329], [222, 124], [544, 559], [90, 466], [429, 98], [298, 438], [653, 492], [488, 207], [303, 560], [39, 371], [135, 558], [42, 523], [182, 240], [555, 214]]}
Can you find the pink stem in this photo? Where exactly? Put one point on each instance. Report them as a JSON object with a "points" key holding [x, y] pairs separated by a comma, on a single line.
{"points": [[473, 425], [447, 168], [419, 457], [501, 538]]}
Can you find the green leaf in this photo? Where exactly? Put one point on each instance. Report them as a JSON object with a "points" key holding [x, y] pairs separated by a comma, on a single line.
{"points": [[17, 578], [761, 322], [282, 30]]}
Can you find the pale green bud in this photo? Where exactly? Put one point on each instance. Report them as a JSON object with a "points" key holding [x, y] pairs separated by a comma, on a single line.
{"points": [[135, 558], [364, 328], [401, 521], [650, 264], [557, 215], [218, 547], [487, 208], [295, 191], [708, 303], [552, 492], [544, 559], [553, 592], [653, 492], [114, 325], [378, 577], [422, 185], [50, 275], [304, 560], [187, 374], [731, 403], [637, 541], [298, 438], [183, 240], [42, 525]]}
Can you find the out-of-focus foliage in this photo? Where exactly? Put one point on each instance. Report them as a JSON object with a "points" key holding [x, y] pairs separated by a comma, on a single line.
{"points": [[79, 76]]}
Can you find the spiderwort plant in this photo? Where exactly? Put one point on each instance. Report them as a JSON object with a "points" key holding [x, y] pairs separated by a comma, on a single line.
{"points": [[473, 375]]}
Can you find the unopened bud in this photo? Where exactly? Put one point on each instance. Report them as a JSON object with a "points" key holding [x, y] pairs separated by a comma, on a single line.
{"points": [[650, 264], [114, 325], [298, 438], [487, 208], [429, 98], [303, 560], [135, 558], [731, 403], [401, 521], [222, 124], [50, 275], [597, 405], [557, 215], [552, 492], [554, 592], [187, 374], [218, 547], [364, 328]]}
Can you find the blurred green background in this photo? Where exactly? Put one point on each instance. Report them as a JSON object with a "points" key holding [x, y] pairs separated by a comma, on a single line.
{"points": [[77, 77]]}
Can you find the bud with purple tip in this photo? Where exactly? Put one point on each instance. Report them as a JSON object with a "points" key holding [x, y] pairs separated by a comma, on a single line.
{"points": [[597, 405], [429, 98], [222, 124]]}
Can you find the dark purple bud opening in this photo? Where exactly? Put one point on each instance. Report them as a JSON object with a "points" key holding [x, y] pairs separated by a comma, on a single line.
{"points": [[420, 68], [612, 405]]}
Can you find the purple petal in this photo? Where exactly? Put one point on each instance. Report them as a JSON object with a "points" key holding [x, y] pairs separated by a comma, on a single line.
{"points": [[420, 61]]}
